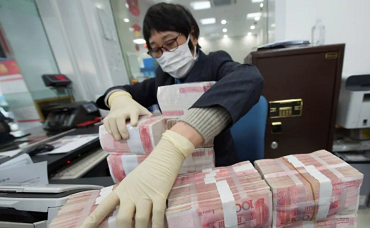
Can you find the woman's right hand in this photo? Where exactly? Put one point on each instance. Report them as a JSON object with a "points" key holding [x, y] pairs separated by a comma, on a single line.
{"points": [[122, 108]]}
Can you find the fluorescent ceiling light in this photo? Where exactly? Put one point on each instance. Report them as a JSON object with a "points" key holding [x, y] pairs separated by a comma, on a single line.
{"points": [[200, 5], [223, 22], [253, 27], [126, 20], [257, 18], [257, 1], [207, 21], [253, 15], [261, 5], [139, 41], [224, 30], [201, 38], [273, 25], [249, 33], [225, 36]]}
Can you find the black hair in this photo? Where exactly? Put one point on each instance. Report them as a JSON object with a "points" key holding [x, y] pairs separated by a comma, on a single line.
{"points": [[163, 17]]}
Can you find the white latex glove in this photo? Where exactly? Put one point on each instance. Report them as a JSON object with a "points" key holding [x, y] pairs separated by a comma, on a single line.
{"points": [[145, 190], [123, 107]]}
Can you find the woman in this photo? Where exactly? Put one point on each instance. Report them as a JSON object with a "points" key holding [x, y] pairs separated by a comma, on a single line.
{"points": [[171, 34]]}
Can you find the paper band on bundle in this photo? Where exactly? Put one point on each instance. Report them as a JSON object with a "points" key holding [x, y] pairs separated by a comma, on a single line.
{"points": [[295, 179], [244, 167], [134, 142], [112, 221], [194, 203], [104, 192], [206, 170], [294, 161], [332, 168], [129, 163], [326, 187], [228, 204], [210, 177]]}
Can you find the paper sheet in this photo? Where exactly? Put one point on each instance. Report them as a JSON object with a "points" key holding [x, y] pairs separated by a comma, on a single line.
{"points": [[17, 162], [10, 153], [30, 174], [72, 145]]}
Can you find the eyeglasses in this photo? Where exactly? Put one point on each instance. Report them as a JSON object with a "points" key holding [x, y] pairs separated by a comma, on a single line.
{"points": [[169, 45]]}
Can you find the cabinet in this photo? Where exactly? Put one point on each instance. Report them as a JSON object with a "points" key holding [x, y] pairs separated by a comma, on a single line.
{"points": [[302, 87]]}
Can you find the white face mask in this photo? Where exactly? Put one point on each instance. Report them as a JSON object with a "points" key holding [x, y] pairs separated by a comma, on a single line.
{"points": [[178, 62]]}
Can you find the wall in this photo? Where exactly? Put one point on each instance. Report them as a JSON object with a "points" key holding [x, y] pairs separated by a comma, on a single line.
{"points": [[26, 36], [237, 47], [345, 22], [85, 43], [133, 58]]}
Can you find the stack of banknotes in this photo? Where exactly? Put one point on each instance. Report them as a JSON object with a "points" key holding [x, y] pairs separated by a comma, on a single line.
{"points": [[312, 187], [234, 196], [143, 138], [175, 100], [126, 155], [122, 164], [316, 190]]}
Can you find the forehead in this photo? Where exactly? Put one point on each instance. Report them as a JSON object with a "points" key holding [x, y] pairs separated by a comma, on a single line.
{"points": [[158, 37]]}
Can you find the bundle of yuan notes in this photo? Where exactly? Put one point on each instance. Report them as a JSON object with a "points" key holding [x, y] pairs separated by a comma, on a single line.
{"points": [[312, 187], [143, 138], [233, 196], [121, 165], [175, 100]]}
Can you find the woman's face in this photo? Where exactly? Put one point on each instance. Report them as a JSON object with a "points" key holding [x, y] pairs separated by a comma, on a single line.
{"points": [[157, 39]]}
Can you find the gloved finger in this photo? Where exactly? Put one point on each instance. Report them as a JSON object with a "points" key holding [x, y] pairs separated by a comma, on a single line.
{"points": [[159, 208], [108, 205], [106, 125], [114, 129], [145, 112], [121, 125], [142, 214], [125, 213], [134, 118]]}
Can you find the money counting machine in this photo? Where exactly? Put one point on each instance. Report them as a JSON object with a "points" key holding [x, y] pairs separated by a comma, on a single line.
{"points": [[34, 205]]}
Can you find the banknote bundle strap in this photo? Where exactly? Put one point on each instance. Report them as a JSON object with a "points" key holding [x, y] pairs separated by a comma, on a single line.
{"points": [[194, 202], [326, 187], [226, 196], [332, 168], [129, 162], [228, 204]]}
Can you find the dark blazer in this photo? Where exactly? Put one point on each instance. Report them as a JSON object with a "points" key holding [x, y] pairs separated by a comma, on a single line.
{"points": [[238, 88]]}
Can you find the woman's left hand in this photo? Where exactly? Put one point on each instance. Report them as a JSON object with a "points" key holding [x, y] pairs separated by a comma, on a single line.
{"points": [[144, 191]]}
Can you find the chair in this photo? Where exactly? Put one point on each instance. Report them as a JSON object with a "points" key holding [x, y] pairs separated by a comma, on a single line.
{"points": [[249, 132]]}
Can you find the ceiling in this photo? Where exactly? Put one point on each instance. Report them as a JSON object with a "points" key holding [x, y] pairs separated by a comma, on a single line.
{"points": [[234, 13]]}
